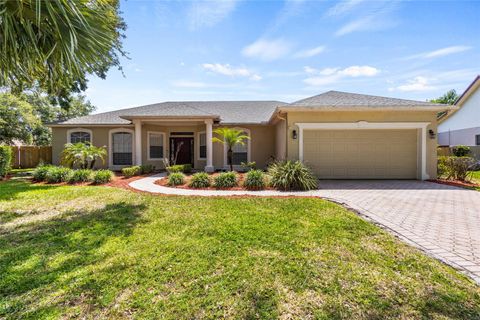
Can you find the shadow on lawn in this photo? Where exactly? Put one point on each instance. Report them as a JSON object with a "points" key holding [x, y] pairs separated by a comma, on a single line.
{"points": [[55, 255], [11, 188]]}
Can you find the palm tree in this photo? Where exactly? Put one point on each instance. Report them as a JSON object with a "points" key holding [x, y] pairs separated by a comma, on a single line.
{"points": [[56, 44], [230, 137], [84, 155]]}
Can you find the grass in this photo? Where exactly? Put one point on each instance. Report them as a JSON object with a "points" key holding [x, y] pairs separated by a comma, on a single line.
{"points": [[101, 252], [475, 176]]}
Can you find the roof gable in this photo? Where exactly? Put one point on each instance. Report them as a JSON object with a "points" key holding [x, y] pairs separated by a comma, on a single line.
{"points": [[346, 99]]}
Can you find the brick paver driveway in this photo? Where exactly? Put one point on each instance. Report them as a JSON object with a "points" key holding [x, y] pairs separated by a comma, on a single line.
{"points": [[443, 221]]}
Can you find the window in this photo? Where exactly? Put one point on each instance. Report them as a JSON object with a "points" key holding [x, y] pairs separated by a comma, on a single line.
{"points": [[202, 145], [155, 145], [122, 146], [240, 153], [79, 135], [477, 139]]}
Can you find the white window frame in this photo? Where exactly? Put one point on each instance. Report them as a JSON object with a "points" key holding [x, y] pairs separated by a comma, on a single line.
{"points": [[110, 147], [73, 130], [164, 139], [248, 142], [198, 145], [420, 126]]}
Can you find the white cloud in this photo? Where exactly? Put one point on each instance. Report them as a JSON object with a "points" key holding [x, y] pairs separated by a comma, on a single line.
{"points": [[359, 71], [416, 84], [333, 75], [228, 70], [343, 7], [208, 13], [310, 52], [439, 52], [361, 24], [267, 50]]}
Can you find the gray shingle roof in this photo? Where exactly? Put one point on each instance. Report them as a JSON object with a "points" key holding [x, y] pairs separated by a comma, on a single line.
{"points": [[346, 99], [227, 111]]}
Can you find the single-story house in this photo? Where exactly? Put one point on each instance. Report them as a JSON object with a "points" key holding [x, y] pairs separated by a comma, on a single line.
{"points": [[339, 135], [461, 126]]}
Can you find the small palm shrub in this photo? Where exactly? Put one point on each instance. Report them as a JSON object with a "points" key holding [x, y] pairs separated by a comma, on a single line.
{"points": [[225, 180], [81, 175], [102, 176], [131, 171], [5, 160], [291, 175], [58, 174], [147, 168], [461, 151], [176, 179], [40, 172], [200, 180], [254, 180]]}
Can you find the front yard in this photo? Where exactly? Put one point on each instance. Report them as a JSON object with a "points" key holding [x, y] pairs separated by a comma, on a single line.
{"points": [[103, 252]]}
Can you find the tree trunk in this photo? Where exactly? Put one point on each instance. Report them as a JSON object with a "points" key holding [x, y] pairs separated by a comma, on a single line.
{"points": [[230, 158], [92, 163]]}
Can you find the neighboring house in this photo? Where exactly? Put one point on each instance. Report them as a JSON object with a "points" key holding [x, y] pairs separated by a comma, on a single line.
{"points": [[461, 126], [340, 135]]}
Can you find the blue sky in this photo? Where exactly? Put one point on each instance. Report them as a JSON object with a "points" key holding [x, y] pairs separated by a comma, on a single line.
{"points": [[288, 50]]}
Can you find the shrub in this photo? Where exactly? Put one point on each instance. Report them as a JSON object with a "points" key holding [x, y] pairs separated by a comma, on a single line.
{"points": [[176, 179], [131, 171], [458, 168], [82, 155], [58, 174], [291, 175], [147, 168], [200, 180], [5, 160], [442, 166], [247, 166], [461, 151], [40, 172], [255, 180], [185, 168], [102, 176], [225, 180], [81, 175]]}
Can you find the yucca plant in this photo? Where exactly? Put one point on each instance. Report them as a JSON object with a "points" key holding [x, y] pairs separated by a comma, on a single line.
{"points": [[254, 180], [225, 180], [200, 180], [176, 179], [230, 137], [291, 175]]}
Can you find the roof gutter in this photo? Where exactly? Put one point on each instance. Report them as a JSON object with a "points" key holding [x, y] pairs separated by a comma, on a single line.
{"points": [[361, 108]]}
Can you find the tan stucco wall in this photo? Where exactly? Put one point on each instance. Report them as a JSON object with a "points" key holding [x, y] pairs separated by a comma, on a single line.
{"points": [[281, 140], [375, 116], [262, 143]]}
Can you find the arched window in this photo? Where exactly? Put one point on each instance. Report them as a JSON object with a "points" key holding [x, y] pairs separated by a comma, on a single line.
{"points": [[79, 135]]}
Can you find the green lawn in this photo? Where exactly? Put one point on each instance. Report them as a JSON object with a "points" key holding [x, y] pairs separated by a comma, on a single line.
{"points": [[476, 176], [100, 252]]}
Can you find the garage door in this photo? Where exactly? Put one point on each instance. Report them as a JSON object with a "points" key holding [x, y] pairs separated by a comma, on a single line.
{"points": [[361, 154]]}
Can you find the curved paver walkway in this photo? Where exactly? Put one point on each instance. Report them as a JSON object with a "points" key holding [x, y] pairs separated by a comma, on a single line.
{"points": [[441, 220]]}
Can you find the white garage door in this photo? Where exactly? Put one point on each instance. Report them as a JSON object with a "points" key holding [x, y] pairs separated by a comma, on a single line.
{"points": [[361, 154]]}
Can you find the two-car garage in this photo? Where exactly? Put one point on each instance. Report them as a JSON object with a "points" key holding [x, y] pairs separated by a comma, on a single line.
{"points": [[362, 154]]}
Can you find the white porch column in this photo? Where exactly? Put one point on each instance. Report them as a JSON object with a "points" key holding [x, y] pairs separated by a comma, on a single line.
{"points": [[138, 142], [208, 132]]}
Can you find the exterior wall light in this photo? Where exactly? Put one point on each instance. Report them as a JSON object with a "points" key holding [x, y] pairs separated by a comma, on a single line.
{"points": [[432, 134], [294, 134]]}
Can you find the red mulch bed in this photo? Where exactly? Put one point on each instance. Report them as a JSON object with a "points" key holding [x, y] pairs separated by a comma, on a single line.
{"points": [[457, 183], [240, 178]]}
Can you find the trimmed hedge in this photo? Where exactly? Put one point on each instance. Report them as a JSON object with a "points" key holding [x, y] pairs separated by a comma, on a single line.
{"points": [[131, 171], [5, 160], [185, 168], [58, 174], [102, 176], [81, 175], [147, 168]]}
